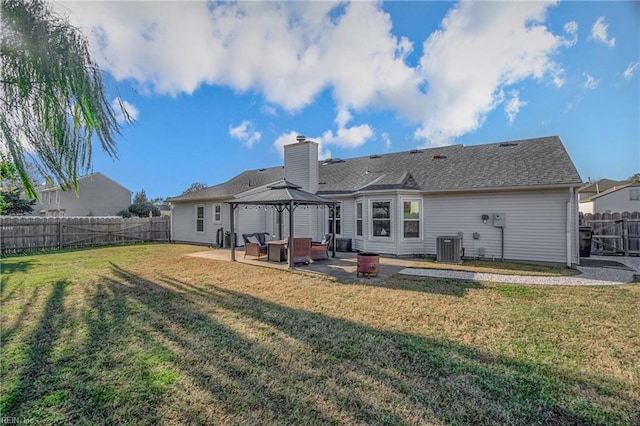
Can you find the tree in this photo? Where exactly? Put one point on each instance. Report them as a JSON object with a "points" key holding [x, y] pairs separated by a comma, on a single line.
{"points": [[11, 201], [52, 100], [196, 186], [634, 178], [142, 207]]}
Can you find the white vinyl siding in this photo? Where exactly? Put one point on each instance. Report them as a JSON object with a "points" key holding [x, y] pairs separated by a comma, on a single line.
{"points": [[535, 223], [620, 201]]}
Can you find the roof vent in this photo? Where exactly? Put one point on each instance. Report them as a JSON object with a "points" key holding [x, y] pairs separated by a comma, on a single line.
{"points": [[262, 170], [375, 156], [300, 138], [503, 144], [415, 151], [332, 161], [438, 156]]}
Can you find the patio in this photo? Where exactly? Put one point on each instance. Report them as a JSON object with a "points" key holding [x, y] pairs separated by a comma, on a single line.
{"points": [[341, 268]]}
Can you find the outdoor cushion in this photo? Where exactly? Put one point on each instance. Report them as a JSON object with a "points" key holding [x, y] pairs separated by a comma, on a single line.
{"points": [[253, 239]]}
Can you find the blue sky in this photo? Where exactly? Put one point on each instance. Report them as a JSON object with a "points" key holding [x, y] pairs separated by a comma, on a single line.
{"points": [[218, 88]]}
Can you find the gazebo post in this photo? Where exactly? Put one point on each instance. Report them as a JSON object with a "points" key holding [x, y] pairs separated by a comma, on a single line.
{"points": [[290, 234], [333, 230], [232, 242]]}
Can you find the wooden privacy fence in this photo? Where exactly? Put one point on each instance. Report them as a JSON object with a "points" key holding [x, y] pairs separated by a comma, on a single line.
{"points": [[614, 233], [23, 233]]}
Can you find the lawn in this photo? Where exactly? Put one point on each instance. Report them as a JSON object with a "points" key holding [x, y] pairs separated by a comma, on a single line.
{"points": [[145, 335]]}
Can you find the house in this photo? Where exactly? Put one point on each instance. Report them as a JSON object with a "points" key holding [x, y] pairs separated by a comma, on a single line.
{"points": [[510, 200], [97, 195], [610, 197]]}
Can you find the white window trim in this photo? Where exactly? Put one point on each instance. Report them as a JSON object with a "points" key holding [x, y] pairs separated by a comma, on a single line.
{"points": [[361, 203], [419, 220], [219, 221], [204, 215], [633, 191], [392, 226]]}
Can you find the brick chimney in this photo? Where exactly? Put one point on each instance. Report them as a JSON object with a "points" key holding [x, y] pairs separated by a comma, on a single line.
{"points": [[301, 164]]}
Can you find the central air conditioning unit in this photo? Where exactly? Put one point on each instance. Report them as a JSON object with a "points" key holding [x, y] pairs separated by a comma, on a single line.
{"points": [[449, 249]]}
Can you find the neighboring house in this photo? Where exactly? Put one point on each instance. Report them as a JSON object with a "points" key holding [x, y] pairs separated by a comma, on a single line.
{"points": [[399, 203], [594, 188], [622, 197], [97, 196]]}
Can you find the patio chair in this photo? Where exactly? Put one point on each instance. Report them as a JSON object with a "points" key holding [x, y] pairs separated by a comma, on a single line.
{"points": [[301, 250], [320, 250], [255, 244]]}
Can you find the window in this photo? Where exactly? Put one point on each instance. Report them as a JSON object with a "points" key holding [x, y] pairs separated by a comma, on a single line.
{"points": [[337, 209], [359, 219], [381, 218], [217, 213], [411, 219], [200, 218], [634, 194]]}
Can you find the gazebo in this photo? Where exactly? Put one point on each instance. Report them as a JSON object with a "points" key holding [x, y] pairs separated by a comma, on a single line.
{"points": [[282, 195]]}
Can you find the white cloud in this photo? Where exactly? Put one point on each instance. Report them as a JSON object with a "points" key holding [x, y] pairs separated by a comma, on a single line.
{"points": [[347, 137], [599, 32], [246, 133], [631, 69], [343, 117], [129, 109], [571, 28], [387, 140], [482, 48], [512, 108], [290, 52], [589, 82]]}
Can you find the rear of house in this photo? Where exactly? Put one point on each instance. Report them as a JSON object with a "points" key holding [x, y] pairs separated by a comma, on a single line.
{"points": [[400, 203]]}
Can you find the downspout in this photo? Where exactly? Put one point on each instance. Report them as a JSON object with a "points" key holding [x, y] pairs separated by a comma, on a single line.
{"points": [[569, 226]]}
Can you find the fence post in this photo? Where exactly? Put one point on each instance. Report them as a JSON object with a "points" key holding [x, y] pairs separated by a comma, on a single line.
{"points": [[149, 228], [625, 237], [59, 232]]}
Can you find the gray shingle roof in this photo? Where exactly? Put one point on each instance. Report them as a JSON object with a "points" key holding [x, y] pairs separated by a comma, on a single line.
{"points": [[600, 186], [526, 163], [282, 192]]}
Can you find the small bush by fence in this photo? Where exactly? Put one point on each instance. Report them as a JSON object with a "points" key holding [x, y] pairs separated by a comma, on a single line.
{"points": [[22, 234]]}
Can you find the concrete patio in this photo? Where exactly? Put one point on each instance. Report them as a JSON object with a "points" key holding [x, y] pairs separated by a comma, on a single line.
{"points": [[341, 268], [601, 270]]}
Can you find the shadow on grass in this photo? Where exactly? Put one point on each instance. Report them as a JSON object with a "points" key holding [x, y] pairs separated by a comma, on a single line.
{"points": [[15, 266], [38, 353], [167, 350], [304, 367]]}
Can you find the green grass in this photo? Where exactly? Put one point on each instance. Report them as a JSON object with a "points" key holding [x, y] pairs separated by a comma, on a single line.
{"points": [[144, 335]]}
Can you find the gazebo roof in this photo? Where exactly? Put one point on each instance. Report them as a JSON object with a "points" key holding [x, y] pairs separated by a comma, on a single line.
{"points": [[282, 192]]}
